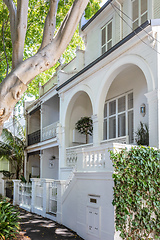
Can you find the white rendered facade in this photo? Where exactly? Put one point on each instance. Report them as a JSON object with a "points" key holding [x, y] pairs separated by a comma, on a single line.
{"points": [[111, 88]]}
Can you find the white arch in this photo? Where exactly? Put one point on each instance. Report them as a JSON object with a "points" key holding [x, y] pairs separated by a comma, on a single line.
{"points": [[118, 67], [74, 94]]}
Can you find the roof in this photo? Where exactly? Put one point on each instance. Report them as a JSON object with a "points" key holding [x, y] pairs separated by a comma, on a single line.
{"points": [[116, 46], [96, 14]]}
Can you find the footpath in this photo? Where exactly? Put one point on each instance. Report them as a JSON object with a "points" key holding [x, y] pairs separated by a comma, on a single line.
{"points": [[36, 227]]}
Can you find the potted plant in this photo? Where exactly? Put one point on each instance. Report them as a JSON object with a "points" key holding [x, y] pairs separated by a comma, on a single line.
{"points": [[142, 135], [85, 126]]}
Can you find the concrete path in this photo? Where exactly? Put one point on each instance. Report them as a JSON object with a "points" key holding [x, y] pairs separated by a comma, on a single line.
{"points": [[37, 227]]}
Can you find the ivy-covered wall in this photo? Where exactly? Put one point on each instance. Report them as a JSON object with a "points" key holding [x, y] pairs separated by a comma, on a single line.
{"points": [[137, 193]]}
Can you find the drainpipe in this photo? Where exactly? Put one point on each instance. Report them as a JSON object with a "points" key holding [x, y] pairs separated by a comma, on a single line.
{"points": [[121, 25]]}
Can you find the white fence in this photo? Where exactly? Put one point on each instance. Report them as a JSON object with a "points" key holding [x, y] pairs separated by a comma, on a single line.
{"points": [[40, 196]]}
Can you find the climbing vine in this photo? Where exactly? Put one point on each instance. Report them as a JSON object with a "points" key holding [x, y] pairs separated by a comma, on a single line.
{"points": [[137, 193]]}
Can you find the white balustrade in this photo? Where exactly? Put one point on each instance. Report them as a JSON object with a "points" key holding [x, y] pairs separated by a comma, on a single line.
{"points": [[71, 157], [94, 158], [49, 131], [72, 154]]}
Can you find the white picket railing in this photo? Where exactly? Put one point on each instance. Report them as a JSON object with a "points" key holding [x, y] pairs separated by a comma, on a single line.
{"points": [[39, 185], [49, 131], [53, 198], [41, 196], [25, 195]]}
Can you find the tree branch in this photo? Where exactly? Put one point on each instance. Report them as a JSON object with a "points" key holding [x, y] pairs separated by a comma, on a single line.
{"points": [[20, 32], [50, 24], [15, 84], [4, 48], [70, 23], [12, 14]]}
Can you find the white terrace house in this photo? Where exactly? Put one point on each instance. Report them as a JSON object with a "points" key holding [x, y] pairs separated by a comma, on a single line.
{"points": [[116, 81]]}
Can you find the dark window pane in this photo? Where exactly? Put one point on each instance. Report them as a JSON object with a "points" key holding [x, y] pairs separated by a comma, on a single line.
{"points": [[109, 45], [112, 127], [109, 31], [103, 49], [144, 18], [121, 104], [105, 110], [144, 6], [105, 129], [121, 125], [130, 100], [135, 25], [103, 36], [112, 107], [130, 127], [135, 10]]}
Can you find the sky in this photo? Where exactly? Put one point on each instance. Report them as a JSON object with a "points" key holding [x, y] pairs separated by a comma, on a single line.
{"points": [[103, 2]]}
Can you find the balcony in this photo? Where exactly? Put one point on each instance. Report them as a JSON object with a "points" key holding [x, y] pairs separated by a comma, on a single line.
{"points": [[94, 158], [49, 131], [34, 137]]}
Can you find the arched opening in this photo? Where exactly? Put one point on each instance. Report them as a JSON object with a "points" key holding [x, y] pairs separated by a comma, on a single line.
{"points": [[122, 108], [80, 106]]}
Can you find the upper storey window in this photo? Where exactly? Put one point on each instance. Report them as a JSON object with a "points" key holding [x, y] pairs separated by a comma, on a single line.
{"points": [[106, 36], [139, 12]]}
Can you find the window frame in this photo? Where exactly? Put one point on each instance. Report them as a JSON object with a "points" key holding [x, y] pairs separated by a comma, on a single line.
{"points": [[140, 15], [110, 40], [106, 135]]}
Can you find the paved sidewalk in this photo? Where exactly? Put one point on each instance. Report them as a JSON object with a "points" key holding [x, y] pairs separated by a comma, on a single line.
{"points": [[37, 227]]}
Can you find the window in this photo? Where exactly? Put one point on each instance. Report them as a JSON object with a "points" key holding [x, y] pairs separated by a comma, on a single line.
{"points": [[118, 117], [139, 12], [106, 37]]}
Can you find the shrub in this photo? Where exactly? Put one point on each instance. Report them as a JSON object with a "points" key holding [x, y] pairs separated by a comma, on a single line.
{"points": [[137, 193], [9, 225], [85, 126], [142, 135]]}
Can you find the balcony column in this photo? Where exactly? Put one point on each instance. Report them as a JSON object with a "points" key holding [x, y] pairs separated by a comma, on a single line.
{"points": [[25, 164], [96, 138], [153, 99], [16, 192], [60, 134], [41, 120], [60, 191], [41, 163]]}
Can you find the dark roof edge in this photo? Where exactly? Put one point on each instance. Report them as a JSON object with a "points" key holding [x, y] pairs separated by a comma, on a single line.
{"points": [[96, 14], [116, 46]]}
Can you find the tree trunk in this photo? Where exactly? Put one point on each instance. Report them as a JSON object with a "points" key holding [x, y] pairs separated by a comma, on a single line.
{"points": [[86, 138], [15, 84]]}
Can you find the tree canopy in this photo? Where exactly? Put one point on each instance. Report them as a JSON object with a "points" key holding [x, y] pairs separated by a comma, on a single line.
{"points": [[37, 12], [56, 37]]}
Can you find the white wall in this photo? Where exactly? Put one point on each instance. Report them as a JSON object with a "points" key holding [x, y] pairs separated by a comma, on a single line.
{"points": [[76, 205], [48, 171], [33, 161], [50, 112]]}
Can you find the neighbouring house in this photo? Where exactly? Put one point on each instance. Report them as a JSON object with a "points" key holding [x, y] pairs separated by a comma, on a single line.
{"points": [[7, 169], [115, 81]]}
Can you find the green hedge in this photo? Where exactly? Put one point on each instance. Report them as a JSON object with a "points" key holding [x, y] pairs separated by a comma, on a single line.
{"points": [[137, 192]]}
